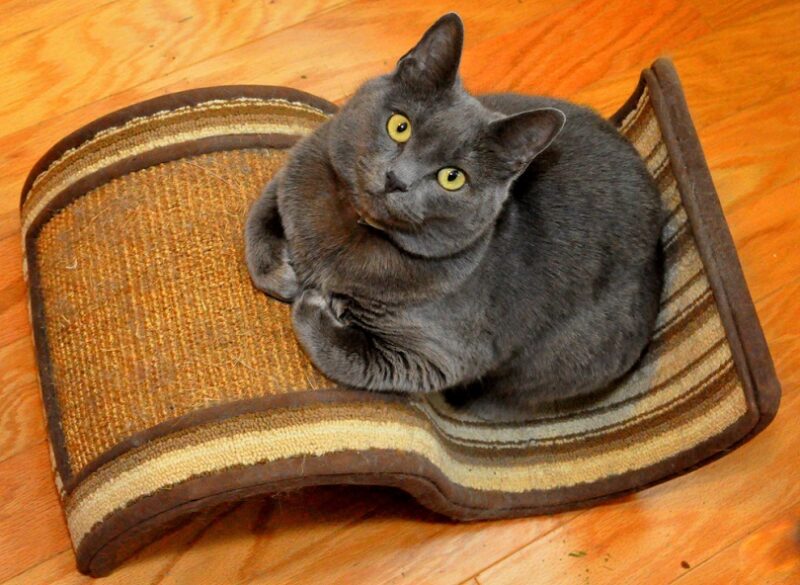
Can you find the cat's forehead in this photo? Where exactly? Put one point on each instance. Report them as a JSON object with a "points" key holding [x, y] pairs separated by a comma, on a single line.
{"points": [[453, 121]]}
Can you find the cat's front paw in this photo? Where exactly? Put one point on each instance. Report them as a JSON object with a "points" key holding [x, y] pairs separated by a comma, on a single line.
{"points": [[314, 306], [277, 279]]}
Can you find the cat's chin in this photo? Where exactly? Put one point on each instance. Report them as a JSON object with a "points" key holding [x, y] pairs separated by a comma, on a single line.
{"points": [[373, 217]]}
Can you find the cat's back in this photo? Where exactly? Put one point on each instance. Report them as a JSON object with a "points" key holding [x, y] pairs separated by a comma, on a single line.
{"points": [[586, 135], [590, 184]]}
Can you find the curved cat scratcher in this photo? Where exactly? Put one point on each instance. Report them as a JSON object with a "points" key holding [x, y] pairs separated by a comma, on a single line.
{"points": [[171, 385]]}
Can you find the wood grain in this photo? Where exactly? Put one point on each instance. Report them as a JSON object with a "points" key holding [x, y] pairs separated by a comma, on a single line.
{"points": [[33, 525], [65, 63], [622, 37], [21, 415], [122, 44], [764, 225], [767, 556]]}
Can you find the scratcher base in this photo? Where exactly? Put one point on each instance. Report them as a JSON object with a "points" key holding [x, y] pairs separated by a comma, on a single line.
{"points": [[171, 385]]}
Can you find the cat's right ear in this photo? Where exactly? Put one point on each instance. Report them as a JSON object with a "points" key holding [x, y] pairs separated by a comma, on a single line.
{"points": [[432, 64], [518, 139]]}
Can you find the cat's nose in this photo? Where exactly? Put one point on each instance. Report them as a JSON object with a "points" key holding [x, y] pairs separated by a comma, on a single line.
{"points": [[393, 183]]}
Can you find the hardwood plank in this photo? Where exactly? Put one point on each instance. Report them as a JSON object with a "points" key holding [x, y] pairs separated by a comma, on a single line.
{"points": [[764, 227], [33, 527], [422, 548], [25, 17], [337, 534], [756, 150], [149, 568], [21, 418], [769, 555], [13, 292], [645, 537], [122, 44], [733, 68], [719, 14], [550, 55]]}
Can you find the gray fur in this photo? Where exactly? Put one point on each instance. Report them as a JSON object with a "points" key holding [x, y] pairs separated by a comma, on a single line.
{"points": [[539, 280]]}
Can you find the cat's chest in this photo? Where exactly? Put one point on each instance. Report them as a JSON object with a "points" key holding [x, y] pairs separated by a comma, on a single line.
{"points": [[330, 249]]}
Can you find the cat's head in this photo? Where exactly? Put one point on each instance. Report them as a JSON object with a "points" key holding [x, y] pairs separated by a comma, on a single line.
{"points": [[425, 162]]}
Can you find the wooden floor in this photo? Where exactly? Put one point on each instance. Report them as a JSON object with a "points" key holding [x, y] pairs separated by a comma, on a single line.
{"points": [[65, 62]]}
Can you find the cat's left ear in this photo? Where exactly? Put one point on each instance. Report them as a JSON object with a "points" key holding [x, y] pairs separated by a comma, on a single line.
{"points": [[433, 63], [518, 139]]}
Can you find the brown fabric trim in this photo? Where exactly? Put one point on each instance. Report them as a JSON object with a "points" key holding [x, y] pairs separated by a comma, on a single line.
{"points": [[77, 189], [52, 408], [191, 97], [143, 521], [715, 244]]}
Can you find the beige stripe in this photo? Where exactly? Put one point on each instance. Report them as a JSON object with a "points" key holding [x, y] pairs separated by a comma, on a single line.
{"points": [[344, 435], [131, 126], [657, 158], [204, 132], [628, 122], [95, 148], [648, 376]]}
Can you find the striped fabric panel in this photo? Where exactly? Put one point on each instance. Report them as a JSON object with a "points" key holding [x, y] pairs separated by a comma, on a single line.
{"points": [[213, 118]]}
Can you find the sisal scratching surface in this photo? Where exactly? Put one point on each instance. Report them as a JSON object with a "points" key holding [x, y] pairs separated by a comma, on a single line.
{"points": [[149, 306]]}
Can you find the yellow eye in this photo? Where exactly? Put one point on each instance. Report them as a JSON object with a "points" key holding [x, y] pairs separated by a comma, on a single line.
{"points": [[399, 128], [451, 178]]}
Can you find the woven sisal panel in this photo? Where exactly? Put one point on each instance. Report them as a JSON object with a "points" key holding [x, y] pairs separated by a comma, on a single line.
{"points": [[149, 305]]}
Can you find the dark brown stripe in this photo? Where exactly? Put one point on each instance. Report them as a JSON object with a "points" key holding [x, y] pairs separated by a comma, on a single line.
{"points": [[591, 411], [684, 287], [679, 319], [610, 437], [679, 236], [636, 133], [672, 213], [173, 101]]}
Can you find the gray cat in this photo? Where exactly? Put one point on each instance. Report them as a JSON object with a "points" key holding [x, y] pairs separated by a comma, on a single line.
{"points": [[503, 248]]}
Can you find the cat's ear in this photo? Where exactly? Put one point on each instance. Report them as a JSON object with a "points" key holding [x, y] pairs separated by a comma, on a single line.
{"points": [[518, 139], [433, 63]]}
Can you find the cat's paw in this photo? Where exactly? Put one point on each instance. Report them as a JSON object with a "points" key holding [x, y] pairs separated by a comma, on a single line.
{"points": [[277, 279], [313, 305], [340, 307]]}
